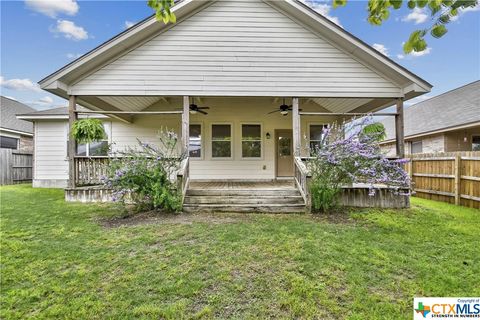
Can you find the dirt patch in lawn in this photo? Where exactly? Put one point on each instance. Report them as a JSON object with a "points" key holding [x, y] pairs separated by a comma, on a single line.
{"points": [[153, 217]]}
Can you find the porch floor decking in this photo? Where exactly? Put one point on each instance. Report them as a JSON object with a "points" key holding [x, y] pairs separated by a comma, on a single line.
{"points": [[242, 185]]}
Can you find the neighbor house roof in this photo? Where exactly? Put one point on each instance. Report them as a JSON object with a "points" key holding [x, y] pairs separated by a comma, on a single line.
{"points": [[451, 110], [59, 82], [8, 121]]}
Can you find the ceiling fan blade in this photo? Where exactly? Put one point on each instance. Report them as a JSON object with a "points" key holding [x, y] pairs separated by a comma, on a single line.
{"points": [[202, 112], [273, 111], [203, 107]]}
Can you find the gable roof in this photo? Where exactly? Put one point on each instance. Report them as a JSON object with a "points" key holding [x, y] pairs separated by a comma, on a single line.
{"points": [[59, 81], [8, 110], [447, 111]]}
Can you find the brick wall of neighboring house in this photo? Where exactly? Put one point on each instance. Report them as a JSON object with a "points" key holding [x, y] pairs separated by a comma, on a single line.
{"points": [[26, 144]]}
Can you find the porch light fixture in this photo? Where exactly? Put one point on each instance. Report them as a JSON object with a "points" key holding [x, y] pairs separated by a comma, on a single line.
{"points": [[268, 135]]}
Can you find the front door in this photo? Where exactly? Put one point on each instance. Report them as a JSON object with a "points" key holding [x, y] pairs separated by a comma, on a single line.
{"points": [[284, 150]]}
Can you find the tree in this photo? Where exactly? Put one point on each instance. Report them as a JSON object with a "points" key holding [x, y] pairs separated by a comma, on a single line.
{"points": [[441, 12]]}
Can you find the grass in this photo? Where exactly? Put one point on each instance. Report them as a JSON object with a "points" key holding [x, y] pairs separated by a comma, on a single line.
{"points": [[63, 260]]}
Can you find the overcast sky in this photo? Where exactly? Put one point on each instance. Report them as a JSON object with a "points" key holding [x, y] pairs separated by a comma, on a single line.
{"points": [[40, 36]]}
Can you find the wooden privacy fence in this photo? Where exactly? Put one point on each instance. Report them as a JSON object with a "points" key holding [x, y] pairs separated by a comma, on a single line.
{"points": [[452, 177], [15, 166]]}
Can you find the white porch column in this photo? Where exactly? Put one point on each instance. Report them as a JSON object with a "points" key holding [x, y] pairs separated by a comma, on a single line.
{"points": [[185, 124], [399, 130], [72, 117], [296, 127]]}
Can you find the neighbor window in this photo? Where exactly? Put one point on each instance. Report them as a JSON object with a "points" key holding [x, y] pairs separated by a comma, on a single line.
{"points": [[221, 141], [97, 148], [475, 143], [417, 147], [195, 141], [251, 141], [8, 142], [316, 137]]}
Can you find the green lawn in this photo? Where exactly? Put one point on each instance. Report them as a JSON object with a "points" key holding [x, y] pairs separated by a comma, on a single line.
{"points": [[63, 260]]}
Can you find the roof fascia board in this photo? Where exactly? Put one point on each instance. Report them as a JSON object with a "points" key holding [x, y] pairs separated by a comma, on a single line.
{"points": [[314, 19], [23, 133]]}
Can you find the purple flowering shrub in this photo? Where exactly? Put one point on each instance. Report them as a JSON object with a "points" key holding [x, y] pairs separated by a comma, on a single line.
{"points": [[144, 176], [348, 155]]}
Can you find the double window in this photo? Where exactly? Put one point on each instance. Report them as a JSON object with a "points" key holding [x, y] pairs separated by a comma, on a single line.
{"points": [[221, 141], [251, 141]]}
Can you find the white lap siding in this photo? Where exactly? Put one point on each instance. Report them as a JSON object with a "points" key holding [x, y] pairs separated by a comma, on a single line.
{"points": [[50, 162], [237, 48]]}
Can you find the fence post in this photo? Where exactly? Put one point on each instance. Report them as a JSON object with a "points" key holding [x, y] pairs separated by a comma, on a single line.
{"points": [[457, 174]]}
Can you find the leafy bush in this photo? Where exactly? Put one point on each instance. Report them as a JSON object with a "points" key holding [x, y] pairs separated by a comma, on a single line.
{"points": [[145, 176], [88, 130], [350, 155]]}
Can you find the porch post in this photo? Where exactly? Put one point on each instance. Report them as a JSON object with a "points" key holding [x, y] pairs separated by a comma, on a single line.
{"points": [[399, 129], [185, 124], [72, 117], [296, 127]]}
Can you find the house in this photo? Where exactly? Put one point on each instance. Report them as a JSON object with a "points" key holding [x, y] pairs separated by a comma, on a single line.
{"points": [[445, 123], [15, 134], [269, 73]]}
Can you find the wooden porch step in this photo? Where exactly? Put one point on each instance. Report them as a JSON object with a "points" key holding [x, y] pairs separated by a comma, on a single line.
{"points": [[246, 208], [244, 199], [242, 192]]}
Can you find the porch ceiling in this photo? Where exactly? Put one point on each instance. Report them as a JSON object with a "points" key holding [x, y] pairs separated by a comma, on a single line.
{"points": [[130, 103], [334, 105]]}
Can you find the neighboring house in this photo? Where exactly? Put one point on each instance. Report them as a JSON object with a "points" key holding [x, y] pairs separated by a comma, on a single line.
{"points": [[239, 58], [15, 134], [445, 123]]}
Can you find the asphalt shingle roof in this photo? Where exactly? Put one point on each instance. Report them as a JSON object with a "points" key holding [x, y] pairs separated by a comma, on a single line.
{"points": [[457, 107], [8, 110]]}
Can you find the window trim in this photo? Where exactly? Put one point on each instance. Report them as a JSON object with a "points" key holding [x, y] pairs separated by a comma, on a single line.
{"points": [[261, 141], [202, 141], [309, 124], [232, 137]]}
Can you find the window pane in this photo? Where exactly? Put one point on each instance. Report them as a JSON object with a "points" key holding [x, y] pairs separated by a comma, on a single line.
{"points": [[476, 143], [314, 147], [8, 142], [417, 147], [251, 149], [221, 149], [81, 150], [221, 132], [316, 132], [251, 132], [99, 148], [284, 146], [195, 142]]}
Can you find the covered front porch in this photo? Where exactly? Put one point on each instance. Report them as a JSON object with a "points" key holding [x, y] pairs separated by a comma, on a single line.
{"points": [[228, 141]]}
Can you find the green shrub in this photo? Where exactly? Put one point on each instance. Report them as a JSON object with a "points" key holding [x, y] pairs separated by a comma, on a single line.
{"points": [[145, 176]]}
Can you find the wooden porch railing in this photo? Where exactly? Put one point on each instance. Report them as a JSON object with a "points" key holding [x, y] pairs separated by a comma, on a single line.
{"points": [[90, 170], [183, 177], [302, 177]]}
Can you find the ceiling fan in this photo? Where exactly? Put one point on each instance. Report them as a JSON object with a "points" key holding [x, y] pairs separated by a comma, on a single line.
{"points": [[283, 109], [194, 109]]}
